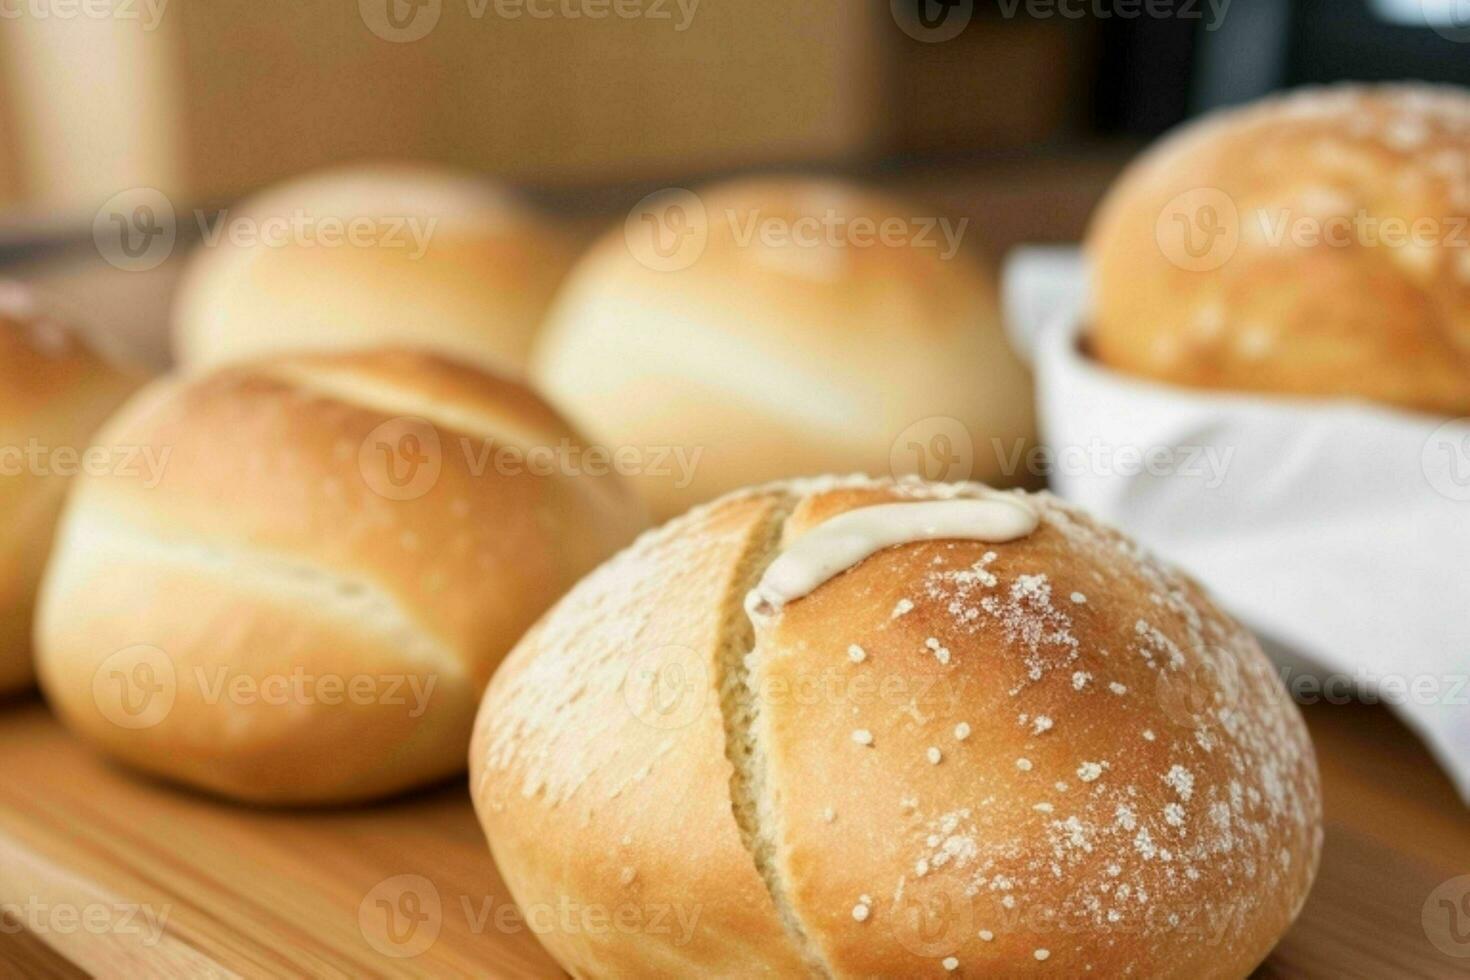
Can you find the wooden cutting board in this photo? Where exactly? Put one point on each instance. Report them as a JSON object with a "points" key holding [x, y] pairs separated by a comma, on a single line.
{"points": [[105, 873]]}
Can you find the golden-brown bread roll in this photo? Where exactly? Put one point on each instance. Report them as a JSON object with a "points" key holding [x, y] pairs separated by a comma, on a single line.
{"points": [[57, 390], [1041, 754], [1313, 244], [776, 327], [371, 256], [306, 602]]}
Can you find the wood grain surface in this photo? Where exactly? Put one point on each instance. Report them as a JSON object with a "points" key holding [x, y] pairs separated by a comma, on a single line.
{"points": [[105, 873]]}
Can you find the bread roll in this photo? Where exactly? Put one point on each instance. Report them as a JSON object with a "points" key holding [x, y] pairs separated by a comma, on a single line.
{"points": [[371, 256], [305, 603], [1314, 244], [57, 390], [794, 332], [1043, 753]]}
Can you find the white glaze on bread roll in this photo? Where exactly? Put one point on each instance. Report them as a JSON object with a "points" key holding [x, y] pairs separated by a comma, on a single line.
{"points": [[386, 255], [1047, 756], [798, 341], [1316, 243], [305, 606], [57, 390]]}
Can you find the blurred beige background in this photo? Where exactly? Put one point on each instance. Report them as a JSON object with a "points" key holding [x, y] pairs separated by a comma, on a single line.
{"points": [[206, 100], [586, 108]]}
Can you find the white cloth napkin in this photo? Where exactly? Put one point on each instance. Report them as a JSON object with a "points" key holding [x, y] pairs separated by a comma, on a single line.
{"points": [[1339, 531]]}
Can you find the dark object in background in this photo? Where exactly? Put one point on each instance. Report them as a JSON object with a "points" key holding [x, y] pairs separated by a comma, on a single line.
{"points": [[1135, 75]]}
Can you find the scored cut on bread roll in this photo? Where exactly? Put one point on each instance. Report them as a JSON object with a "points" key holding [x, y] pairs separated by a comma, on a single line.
{"points": [[1313, 244], [371, 255], [766, 739], [306, 599], [775, 327], [57, 390]]}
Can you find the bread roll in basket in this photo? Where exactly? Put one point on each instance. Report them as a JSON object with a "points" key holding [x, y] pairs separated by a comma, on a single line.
{"points": [[1312, 244]]}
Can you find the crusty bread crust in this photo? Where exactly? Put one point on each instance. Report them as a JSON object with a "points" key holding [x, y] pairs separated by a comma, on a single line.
{"points": [[1327, 250], [58, 389], [272, 546], [474, 285], [775, 359], [1053, 756]]}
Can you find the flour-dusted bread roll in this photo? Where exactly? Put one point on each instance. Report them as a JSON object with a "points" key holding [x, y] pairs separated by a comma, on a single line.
{"points": [[777, 327], [371, 256], [55, 389], [857, 728], [304, 604], [1313, 244]]}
